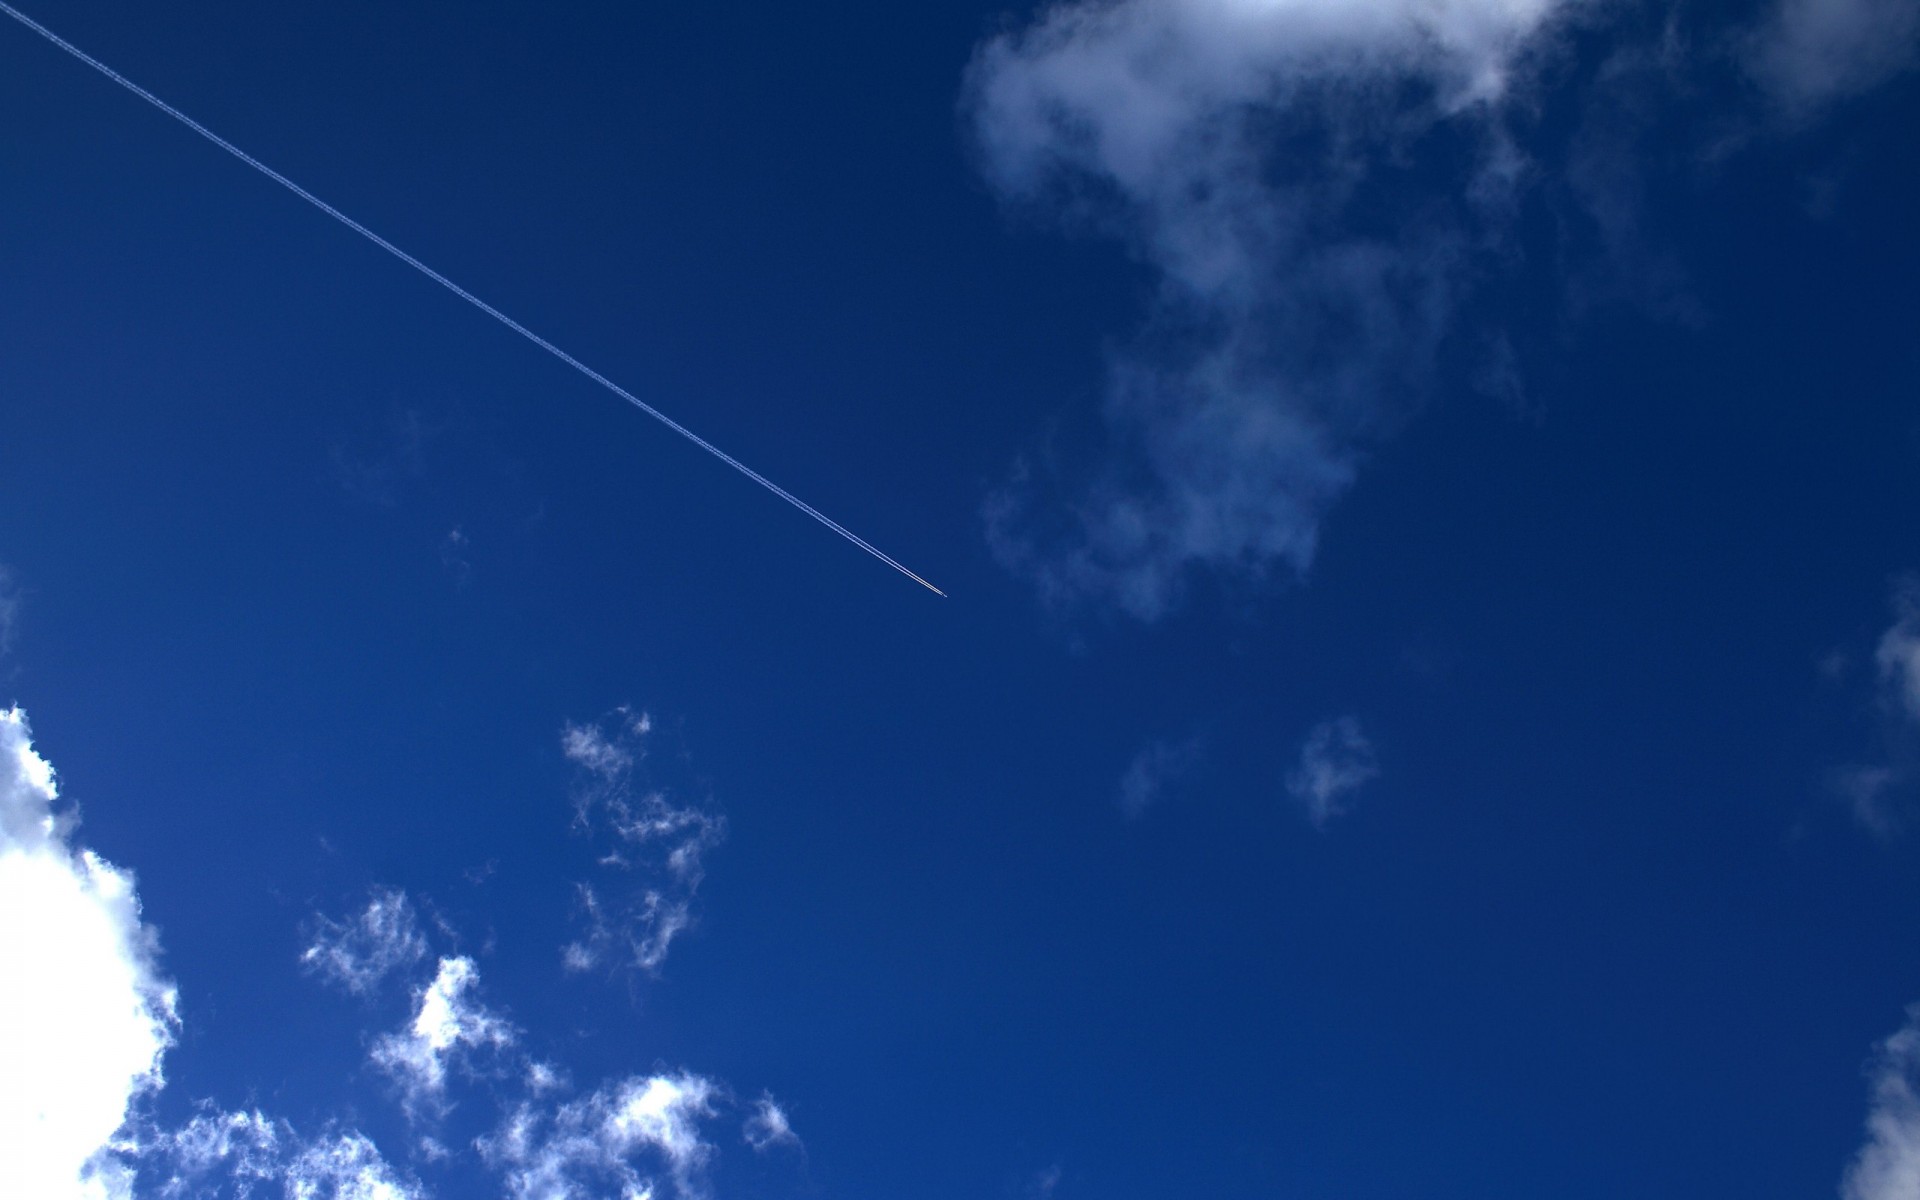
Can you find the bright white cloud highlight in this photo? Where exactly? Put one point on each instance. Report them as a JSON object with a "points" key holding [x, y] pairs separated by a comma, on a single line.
{"points": [[1888, 1166], [449, 1027], [612, 1137], [1336, 761], [84, 1015], [1239, 147], [360, 953]]}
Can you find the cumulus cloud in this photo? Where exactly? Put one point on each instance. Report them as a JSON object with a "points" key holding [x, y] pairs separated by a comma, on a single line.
{"points": [[361, 953], [614, 1136], [1336, 761], [653, 847], [1158, 765], [1888, 1166], [450, 1027], [1255, 154], [1809, 53], [85, 1016], [767, 1126]]}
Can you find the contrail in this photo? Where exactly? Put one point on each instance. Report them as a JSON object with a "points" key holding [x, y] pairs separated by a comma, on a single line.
{"points": [[463, 293]]}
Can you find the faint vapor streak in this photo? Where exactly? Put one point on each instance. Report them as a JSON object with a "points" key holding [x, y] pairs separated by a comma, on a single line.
{"points": [[463, 293]]}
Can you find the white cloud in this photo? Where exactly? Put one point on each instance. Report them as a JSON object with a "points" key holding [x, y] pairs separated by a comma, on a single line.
{"points": [[361, 953], [1811, 52], [1888, 1166], [449, 1027], [645, 834], [249, 1150], [767, 1126], [1335, 761], [1239, 147], [345, 1167], [1874, 789], [609, 747], [1158, 765], [566, 1154], [1898, 654], [85, 1017]]}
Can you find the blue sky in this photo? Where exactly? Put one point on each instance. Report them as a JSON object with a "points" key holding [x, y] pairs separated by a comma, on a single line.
{"points": [[1428, 703]]}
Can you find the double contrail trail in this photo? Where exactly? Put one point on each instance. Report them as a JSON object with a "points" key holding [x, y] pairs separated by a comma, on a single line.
{"points": [[463, 293]]}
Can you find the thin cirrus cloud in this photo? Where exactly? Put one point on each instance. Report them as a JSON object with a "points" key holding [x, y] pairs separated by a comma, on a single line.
{"points": [[1336, 761], [1236, 145], [653, 849], [79, 1045]]}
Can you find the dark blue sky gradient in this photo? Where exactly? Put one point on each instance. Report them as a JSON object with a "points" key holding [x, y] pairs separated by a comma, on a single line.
{"points": [[1599, 929]]}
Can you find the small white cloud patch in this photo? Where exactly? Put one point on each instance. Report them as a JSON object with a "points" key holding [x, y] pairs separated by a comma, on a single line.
{"points": [[1336, 761], [767, 1126], [449, 1027], [569, 1153], [361, 953], [85, 1017]]}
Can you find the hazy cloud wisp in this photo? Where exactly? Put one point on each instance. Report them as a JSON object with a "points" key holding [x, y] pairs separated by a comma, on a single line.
{"points": [[1336, 761], [1238, 148]]}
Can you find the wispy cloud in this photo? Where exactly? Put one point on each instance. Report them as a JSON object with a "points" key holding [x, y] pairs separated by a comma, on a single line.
{"points": [[1888, 1166], [1336, 761], [450, 1028], [1809, 53], [1158, 766], [85, 1017], [381, 467], [9, 609], [767, 1126], [247, 1150], [610, 1137], [654, 848], [361, 953], [1873, 788], [1256, 156]]}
